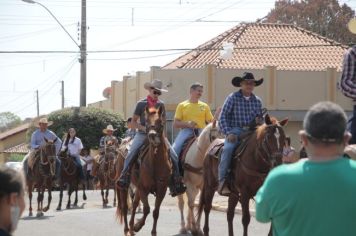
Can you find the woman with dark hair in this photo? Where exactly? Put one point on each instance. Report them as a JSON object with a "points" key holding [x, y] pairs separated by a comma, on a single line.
{"points": [[12, 202], [74, 146]]}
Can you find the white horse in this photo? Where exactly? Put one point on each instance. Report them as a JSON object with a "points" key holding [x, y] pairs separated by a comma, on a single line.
{"points": [[193, 178]]}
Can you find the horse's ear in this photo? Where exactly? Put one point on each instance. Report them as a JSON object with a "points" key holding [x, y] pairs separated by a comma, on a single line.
{"points": [[284, 121], [214, 123], [45, 139], [268, 119]]}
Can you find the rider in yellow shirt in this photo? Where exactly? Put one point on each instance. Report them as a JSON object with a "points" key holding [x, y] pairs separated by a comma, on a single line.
{"points": [[191, 117]]}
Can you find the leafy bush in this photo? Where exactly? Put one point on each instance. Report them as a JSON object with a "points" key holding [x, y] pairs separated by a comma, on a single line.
{"points": [[88, 122]]}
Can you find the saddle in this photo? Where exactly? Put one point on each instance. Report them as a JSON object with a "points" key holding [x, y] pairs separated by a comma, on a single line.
{"points": [[216, 147], [187, 144]]}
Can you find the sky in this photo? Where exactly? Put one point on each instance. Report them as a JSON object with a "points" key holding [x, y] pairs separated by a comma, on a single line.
{"points": [[117, 27]]}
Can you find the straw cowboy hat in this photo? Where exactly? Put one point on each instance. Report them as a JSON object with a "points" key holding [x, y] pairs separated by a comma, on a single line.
{"points": [[44, 121], [247, 76], [109, 128], [155, 84]]}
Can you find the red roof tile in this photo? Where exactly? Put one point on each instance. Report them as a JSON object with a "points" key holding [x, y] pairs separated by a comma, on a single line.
{"points": [[21, 148], [257, 45]]}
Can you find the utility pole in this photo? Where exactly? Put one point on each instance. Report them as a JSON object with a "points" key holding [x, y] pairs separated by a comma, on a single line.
{"points": [[62, 92], [38, 104], [83, 56]]}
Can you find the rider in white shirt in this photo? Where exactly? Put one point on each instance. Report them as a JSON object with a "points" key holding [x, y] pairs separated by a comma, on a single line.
{"points": [[75, 146]]}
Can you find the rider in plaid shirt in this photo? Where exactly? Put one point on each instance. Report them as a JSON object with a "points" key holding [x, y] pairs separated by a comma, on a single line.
{"points": [[240, 109], [348, 85]]}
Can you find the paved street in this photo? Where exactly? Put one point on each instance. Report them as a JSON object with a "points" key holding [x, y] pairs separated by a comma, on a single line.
{"points": [[91, 219]]}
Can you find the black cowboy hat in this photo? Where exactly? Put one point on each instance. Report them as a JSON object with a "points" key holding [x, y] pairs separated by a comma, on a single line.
{"points": [[247, 76]]}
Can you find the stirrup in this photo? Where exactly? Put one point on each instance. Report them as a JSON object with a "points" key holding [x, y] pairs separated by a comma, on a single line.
{"points": [[223, 189]]}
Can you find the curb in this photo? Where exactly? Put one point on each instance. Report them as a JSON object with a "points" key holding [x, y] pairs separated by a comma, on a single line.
{"points": [[238, 210]]}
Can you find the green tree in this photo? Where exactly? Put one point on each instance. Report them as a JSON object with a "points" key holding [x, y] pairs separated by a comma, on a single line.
{"points": [[325, 17], [88, 122], [8, 120]]}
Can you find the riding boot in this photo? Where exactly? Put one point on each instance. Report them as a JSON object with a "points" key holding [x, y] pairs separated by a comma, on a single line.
{"points": [[176, 186], [223, 188], [124, 180]]}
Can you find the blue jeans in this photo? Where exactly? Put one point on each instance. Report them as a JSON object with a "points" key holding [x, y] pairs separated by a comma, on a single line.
{"points": [[352, 127], [227, 152], [182, 137], [78, 164]]}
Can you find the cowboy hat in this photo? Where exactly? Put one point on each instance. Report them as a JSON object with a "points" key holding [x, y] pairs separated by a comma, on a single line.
{"points": [[44, 121], [109, 128], [155, 84], [247, 76]]}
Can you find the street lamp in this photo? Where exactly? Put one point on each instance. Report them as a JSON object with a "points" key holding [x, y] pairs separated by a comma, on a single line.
{"points": [[82, 48]]}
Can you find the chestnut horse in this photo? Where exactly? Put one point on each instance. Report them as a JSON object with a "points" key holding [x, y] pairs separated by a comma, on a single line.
{"points": [[154, 174], [107, 172], [69, 175], [41, 175], [249, 168], [193, 174]]}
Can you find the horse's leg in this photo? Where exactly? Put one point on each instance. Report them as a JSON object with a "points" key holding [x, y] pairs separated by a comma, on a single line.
{"points": [[209, 195], [30, 186], [114, 196], [76, 194], [39, 201], [192, 194], [183, 229], [161, 192], [245, 212], [135, 203], [146, 209], [60, 195], [102, 193], [122, 203], [270, 233], [49, 196], [107, 194], [84, 195], [233, 200], [70, 191]]}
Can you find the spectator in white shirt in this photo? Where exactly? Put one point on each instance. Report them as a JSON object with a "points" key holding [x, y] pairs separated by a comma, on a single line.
{"points": [[88, 162], [74, 146]]}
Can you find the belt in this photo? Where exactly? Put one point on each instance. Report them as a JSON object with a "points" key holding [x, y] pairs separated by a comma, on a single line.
{"points": [[245, 127]]}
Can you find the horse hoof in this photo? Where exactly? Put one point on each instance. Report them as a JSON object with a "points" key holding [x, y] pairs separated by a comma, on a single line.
{"points": [[75, 204], [30, 214], [84, 197], [68, 207], [114, 204], [58, 208], [137, 227], [45, 209], [39, 214]]}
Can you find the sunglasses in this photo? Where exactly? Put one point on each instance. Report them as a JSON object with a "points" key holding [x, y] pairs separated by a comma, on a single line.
{"points": [[155, 92]]}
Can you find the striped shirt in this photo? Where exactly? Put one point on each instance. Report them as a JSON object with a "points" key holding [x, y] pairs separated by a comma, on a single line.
{"points": [[238, 111], [348, 77]]}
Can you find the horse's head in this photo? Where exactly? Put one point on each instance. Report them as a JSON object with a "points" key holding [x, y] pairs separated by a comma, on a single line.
{"points": [[154, 125], [63, 153], [48, 154], [271, 137], [110, 153], [211, 132]]}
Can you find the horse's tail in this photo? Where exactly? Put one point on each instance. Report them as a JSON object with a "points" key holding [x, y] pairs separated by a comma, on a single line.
{"points": [[119, 210]]}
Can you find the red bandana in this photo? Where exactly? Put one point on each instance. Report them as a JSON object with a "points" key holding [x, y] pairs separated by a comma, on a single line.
{"points": [[151, 101]]}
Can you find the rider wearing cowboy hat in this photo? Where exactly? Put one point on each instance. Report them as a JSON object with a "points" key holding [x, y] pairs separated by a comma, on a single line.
{"points": [[109, 137], [138, 122], [240, 109], [37, 140]]}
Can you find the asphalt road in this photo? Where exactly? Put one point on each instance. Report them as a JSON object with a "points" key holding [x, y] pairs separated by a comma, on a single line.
{"points": [[90, 218]]}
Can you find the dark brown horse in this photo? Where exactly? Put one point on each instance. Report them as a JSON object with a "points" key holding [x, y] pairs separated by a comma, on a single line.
{"points": [[154, 174], [107, 172], [41, 175], [249, 168], [69, 175]]}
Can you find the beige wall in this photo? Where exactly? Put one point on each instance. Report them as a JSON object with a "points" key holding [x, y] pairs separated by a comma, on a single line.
{"points": [[9, 142]]}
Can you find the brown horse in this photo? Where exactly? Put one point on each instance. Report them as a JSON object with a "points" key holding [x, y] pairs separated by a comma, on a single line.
{"points": [[249, 168], [41, 175], [69, 175], [154, 174], [107, 172]]}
